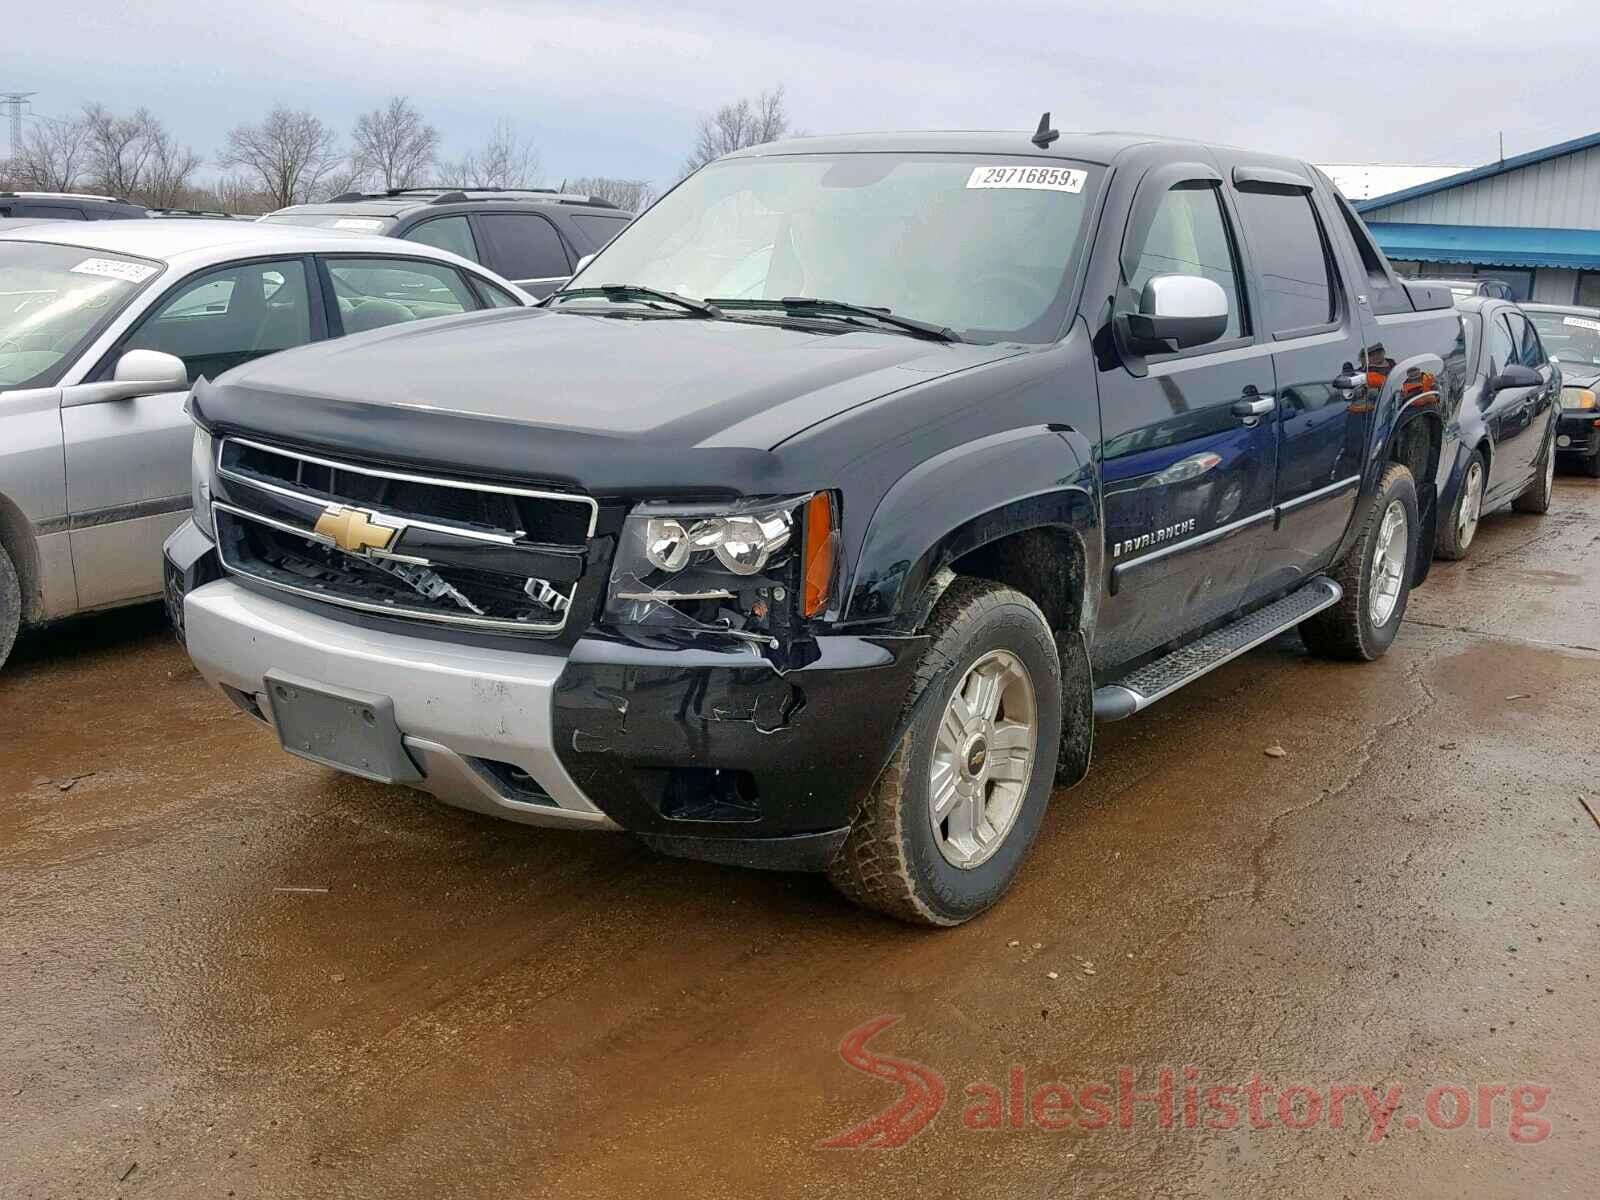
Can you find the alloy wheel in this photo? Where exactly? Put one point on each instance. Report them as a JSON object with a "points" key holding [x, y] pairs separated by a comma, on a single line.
{"points": [[983, 759]]}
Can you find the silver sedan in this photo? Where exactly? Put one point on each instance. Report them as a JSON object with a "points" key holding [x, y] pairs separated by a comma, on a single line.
{"points": [[103, 327]]}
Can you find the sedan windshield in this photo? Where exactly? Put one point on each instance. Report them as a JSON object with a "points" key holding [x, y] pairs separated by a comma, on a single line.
{"points": [[53, 301], [1571, 337], [982, 246]]}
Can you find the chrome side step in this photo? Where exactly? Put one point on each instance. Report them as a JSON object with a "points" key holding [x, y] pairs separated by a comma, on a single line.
{"points": [[1167, 674]]}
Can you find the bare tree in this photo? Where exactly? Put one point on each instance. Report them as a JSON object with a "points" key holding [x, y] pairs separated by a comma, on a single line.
{"points": [[393, 145], [52, 156], [168, 172], [287, 155], [231, 193], [634, 195], [119, 148], [506, 160], [739, 125]]}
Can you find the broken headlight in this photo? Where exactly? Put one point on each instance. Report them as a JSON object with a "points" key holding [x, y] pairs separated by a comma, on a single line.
{"points": [[749, 568]]}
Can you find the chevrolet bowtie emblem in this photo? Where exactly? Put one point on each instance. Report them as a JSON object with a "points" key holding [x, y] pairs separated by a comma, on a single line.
{"points": [[353, 529]]}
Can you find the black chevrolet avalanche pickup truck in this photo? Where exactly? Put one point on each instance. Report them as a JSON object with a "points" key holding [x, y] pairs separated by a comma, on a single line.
{"points": [[816, 522]]}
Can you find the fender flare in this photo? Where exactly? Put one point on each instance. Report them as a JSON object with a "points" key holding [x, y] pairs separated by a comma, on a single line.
{"points": [[1034, 477]]}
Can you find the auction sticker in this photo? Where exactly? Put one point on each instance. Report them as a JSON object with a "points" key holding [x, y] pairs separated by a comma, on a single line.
{"points": [[1043, 179], [366, 223], [1581, 323], [113, 268]]}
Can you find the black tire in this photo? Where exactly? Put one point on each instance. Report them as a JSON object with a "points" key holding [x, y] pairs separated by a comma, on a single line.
{"points": [[1591, 465], [891, 862], [1535, 498], [1347, 630], [1449, 544], [10, 607]]}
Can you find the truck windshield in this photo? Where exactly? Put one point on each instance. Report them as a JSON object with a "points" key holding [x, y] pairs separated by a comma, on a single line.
{"points": [[53, 300], [984, 246], [1571, 337]]}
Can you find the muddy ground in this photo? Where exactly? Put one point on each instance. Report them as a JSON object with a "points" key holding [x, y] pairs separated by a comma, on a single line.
{"points": [[225, 971]]}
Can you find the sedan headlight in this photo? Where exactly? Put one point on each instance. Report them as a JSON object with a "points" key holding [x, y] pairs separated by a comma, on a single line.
{"points": [[748, 568], [1576, 397], [201, 460]]}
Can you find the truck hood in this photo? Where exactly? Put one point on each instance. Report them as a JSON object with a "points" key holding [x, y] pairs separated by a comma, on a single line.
{"points": [[1579, 375], [611, 404]]}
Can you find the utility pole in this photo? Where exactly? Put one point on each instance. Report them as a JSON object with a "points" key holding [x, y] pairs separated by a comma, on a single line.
{"points": [[16, 102]]}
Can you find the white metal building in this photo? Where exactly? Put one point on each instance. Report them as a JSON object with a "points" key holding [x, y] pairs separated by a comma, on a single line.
{"points": [[1532, 220]]}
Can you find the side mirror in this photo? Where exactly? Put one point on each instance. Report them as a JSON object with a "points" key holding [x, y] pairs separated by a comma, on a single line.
{"points": [[152, 370], [1177, 312], [583, 262], [138, 373], [1515, 376]]}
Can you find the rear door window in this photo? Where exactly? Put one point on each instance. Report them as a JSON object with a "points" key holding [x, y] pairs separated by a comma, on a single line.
{"points": [[1290, 257], [522, 246], [375, 292], [598, 230], [53, 212], [447, 233]]}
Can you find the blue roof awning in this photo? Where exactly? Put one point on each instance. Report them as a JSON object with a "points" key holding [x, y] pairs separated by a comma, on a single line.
{"points": [[1490, 245]]}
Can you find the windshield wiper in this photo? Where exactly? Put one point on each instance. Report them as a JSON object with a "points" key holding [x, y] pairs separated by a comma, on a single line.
{"points": [[634, 291], [810, 306]]}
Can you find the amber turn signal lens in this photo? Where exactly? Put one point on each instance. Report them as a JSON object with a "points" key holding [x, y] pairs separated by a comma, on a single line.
{"points": [[820, 540]]}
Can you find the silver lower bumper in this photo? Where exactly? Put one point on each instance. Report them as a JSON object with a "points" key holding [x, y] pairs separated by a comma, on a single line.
{"points": [[454, 703]]}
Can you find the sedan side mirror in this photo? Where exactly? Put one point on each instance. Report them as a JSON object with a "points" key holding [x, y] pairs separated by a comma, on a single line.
{"points": [[1515, 375], [138, 373], [583, 262], [1177, 312], [152, 370]]}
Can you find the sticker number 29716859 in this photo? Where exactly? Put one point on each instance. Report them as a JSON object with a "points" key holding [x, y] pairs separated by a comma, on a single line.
{"points": [[1046, 179]]}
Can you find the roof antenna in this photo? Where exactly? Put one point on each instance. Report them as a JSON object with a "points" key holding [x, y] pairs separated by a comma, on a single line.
{"points": [[1044, 135]]}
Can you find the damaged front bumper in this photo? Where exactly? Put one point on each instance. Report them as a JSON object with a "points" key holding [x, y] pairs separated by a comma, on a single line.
{"points": [[704, 753]]}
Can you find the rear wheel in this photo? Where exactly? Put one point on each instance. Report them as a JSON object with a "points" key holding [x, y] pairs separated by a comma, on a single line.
{"points": [[1535, 498], [1375, 576], [942, 833], [10, 606], [1456, 534]]}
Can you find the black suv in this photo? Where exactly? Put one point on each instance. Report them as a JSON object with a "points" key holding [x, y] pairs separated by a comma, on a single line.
{"points": [[818, 520], [68, 206], [532, 236]]}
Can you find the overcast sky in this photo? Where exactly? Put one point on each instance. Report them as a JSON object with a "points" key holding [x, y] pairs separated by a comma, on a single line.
{"points": [[615, 87]]}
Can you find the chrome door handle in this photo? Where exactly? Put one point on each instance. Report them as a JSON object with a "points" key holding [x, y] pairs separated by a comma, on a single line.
{"points": [[1254, 406]]}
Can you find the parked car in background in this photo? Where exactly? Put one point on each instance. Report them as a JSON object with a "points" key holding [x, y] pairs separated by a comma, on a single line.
{"points": [[1571, 335], [103, 327], [1505, 424], [815, 522], [532, 236], [1497, 289], [69, 206]]}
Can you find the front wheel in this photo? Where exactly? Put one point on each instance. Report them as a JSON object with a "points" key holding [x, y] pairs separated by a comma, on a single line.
{"points": [[1456, 534], [1375, 575], [943, 831]]}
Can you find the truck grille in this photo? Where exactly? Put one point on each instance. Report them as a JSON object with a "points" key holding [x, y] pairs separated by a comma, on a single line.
{"points": [[392, 542]]}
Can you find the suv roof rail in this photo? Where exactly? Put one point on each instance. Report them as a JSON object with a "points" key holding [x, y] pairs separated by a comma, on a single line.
{"points": [[465, 193], [66, 196], [191, 212]]}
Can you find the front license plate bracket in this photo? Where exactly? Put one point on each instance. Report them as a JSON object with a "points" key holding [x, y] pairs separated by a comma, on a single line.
{"points": [[347, 730]]}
